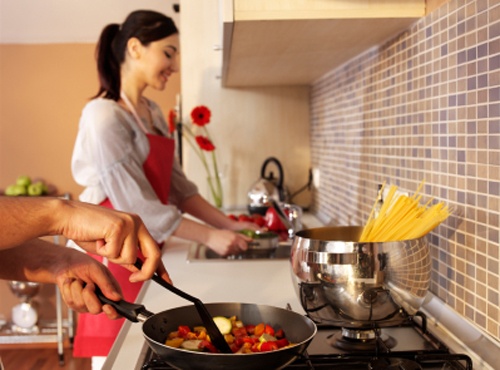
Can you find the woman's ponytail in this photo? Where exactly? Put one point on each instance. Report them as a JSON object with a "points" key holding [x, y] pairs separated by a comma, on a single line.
{"points": [[108, 67]]}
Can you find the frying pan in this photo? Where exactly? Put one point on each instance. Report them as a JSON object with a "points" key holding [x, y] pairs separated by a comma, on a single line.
{"points": [[264, 241], [298, 329]]}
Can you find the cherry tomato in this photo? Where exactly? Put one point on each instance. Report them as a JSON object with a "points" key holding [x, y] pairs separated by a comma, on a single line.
{"points": [[269, 330], [235, 347], [268, 346], [279, 334], [232, 217], [282, 342], [209, 346], [238, 341], [250, 329], [183, 331], [259, 220], [244, 218], [239, 332]]}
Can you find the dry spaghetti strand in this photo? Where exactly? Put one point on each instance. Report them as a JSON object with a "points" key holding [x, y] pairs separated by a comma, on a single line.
{"points": [[403, 218]]}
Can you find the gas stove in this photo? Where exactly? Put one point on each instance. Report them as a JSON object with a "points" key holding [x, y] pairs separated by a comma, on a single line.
{"points": [[406, 346]]}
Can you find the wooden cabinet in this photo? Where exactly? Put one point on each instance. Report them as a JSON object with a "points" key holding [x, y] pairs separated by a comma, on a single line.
{"points": [[294, 42]]}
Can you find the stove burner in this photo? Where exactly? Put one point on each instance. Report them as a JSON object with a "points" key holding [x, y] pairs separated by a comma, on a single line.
{"points": [[364, 342], [360, 334], [393, 364]]}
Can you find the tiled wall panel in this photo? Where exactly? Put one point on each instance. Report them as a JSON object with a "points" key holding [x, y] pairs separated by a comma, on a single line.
{"points": [[424, 106]]}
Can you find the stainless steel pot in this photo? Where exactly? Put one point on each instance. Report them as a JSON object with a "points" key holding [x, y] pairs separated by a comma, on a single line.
{"points": [[354, 285]]}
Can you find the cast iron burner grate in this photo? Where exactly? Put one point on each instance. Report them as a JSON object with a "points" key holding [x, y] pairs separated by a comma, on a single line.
{"points": [[383, 362]]}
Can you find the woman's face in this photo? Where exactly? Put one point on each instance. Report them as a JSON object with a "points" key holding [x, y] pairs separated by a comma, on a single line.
{"points": [[157, 61]]}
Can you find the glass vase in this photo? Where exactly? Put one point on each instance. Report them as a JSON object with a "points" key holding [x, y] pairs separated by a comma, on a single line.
{"points": [[215, 190]]}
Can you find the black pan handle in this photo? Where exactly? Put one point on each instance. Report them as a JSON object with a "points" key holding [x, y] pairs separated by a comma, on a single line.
{"points": [[131, 311]]}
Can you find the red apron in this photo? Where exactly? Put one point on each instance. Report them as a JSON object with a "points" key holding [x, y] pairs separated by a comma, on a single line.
{"points": [[96, 334]]}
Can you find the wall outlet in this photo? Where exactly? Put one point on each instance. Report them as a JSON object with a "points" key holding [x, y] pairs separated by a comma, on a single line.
{"points": [[316, 174], [396, 195]]}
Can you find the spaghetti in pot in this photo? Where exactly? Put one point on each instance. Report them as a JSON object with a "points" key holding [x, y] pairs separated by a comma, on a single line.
{"points": [[401, 217]]}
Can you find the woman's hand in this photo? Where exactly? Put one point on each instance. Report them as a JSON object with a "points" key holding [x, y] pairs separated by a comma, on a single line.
{"points": [[226, 242]]}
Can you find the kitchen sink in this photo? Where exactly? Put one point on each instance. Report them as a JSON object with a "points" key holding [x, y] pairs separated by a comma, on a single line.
{"points": [[201, 253]]}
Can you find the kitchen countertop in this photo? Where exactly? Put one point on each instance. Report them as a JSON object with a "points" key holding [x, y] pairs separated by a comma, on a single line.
{"points": [[248, 281]]}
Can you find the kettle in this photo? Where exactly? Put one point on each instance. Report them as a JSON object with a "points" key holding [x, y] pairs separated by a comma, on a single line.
{"points": [[266, 188]]}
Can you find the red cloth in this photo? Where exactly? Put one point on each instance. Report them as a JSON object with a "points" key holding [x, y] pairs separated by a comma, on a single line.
{"points": [[95, 334]]}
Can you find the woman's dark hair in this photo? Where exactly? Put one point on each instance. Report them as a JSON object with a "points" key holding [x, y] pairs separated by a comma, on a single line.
{"points": [[147, 26]]}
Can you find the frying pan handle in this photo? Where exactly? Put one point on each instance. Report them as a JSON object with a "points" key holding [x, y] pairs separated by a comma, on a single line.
{"points": [[131, 311]]}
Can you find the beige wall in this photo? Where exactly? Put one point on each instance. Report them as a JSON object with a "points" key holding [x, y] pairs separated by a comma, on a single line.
{"points": [[248, 124], [43, 89]]}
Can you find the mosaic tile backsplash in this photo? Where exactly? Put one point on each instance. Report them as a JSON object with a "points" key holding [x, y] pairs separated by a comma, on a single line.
{"points": [[424, 106]]}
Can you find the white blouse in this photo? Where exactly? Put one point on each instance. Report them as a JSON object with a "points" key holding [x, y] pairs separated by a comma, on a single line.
{"points": [[109, 152]]}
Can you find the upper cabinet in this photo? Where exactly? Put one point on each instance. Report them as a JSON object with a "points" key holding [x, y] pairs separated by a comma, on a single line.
{"points": [[294, 42]]}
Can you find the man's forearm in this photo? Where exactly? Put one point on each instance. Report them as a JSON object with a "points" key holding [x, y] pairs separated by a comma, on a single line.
{"points": [[24, 219], [31, 261]]}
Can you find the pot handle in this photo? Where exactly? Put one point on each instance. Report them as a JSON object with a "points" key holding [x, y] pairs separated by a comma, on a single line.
{"points": [[131, 311], [326, 258]]}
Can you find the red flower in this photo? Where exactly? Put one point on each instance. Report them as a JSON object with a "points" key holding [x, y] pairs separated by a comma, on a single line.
{"points": [[205, 143], [171, 120], [200, 115]]}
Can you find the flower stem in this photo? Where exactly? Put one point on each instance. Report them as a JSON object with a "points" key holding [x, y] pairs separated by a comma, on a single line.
{"points": [[215, 190]]}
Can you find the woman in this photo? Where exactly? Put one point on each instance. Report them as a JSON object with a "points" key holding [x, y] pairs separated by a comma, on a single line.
{"points": [[124, 156]]}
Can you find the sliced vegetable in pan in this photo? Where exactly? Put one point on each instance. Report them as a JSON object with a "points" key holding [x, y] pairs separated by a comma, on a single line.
{"points": [[240, 337]]}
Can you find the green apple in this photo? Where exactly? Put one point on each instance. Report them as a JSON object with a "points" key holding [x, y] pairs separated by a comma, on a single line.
{"points": [[35, 189], [10, 190], [24, 181], [19, 190]]}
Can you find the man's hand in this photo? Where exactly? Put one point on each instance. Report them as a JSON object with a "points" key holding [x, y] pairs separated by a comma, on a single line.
{"points": [[115, 235], [76, 273]]}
